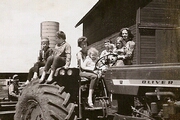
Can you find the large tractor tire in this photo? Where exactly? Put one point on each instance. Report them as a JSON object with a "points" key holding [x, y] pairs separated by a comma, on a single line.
{"points": [[44, 102]]}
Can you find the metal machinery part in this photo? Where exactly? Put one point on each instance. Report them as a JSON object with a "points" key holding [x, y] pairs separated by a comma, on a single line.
{"points": [[131, 92]]}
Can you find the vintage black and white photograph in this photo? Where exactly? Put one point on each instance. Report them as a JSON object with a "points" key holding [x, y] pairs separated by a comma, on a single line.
{"points": [[90, 60]]}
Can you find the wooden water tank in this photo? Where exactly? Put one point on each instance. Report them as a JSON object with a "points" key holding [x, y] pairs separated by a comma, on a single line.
{"points": [[49, 29]]}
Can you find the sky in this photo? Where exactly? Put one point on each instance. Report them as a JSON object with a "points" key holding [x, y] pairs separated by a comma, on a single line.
{"points": [[20, 28]]}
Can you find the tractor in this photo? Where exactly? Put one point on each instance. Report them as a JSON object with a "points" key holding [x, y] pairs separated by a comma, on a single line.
{"points": [[130, 92]]}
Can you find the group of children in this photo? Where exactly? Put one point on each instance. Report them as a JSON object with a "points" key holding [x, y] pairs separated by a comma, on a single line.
{"points": [[60, 56], [51, 58], [87, 59], [122, 50]]}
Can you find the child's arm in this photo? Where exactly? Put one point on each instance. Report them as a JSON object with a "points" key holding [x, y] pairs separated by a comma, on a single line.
{"points": [[102, 53], [129, 49], [68, 60], [40, 56], [87, 66], [90, 68], [130, 46], [68, 56], [79, 59], [82, 64]]}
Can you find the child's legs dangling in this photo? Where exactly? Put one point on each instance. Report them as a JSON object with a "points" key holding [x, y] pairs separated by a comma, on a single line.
{"points": [[57, 62], [46, 68], [93, 78], [90, 101], [36, 68], [30, 74]]}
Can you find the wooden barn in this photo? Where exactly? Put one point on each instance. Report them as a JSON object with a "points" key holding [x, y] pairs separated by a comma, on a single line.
{"points": [[155, 25]]}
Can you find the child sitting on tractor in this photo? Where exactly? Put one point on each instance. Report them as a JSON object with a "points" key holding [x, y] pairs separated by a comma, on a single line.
{"points": [[120, 51], [61, 57], [88, 67], [109, 47], [81, 55], [44, 53]]}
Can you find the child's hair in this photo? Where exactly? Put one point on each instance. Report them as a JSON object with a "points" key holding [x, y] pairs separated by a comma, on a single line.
{"points": [[111, 46], [82, 39], [45, 39], [119, 40], [93, 50], [107, 40], [61, 34]]}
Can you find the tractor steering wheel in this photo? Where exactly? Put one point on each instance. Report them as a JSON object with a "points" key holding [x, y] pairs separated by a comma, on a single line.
{"points": [[106, 61]]}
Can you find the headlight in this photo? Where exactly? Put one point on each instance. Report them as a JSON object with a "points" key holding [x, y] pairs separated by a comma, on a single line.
{"points": [[62, 72], [69, 72]]}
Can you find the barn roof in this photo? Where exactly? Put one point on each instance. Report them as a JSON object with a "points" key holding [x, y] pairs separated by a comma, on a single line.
{"points": [[87, 14], [96, 7]]}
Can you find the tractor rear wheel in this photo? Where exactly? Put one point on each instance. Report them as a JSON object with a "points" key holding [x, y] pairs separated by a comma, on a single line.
{"points": [[44, 102]]}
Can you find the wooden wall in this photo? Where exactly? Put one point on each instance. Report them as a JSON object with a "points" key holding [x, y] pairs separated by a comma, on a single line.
{"points": [[167, 46], [154, 24], [158, 34], [160, 13], [147, 46], [108, 18]]}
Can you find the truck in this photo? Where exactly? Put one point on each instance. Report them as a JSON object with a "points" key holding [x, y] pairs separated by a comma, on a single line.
{"points": [[130, 92]]}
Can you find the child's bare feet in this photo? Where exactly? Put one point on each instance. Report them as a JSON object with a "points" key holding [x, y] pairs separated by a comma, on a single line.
{"points": [[50, 78], [42, 79], [90, 103], [35, 76], [27, 82]]}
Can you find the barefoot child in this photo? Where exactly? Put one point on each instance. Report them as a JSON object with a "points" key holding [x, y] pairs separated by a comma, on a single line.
{"points": [[61, 57]]}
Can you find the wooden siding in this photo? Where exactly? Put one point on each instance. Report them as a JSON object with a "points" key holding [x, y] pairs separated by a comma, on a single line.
{"points": [[167, 46], [108, 18], [160, 16], [133, 30], [160, 13], [100, 44], [147, 46]]}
